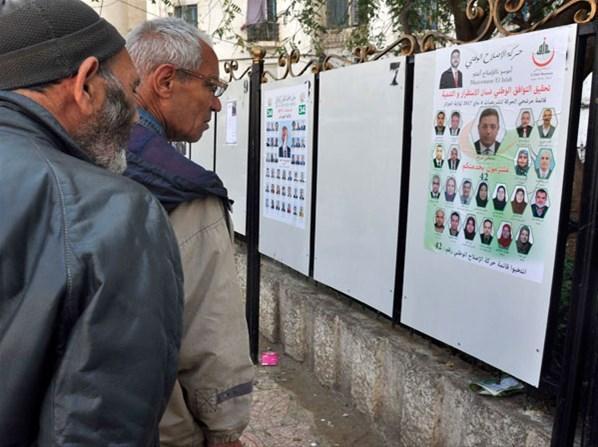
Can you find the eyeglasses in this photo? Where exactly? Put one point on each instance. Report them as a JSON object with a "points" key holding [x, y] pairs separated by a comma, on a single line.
{"points": [[216, 86]]}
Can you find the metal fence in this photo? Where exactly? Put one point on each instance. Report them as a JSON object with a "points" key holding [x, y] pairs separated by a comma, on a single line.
{"points": [[570, 366]]}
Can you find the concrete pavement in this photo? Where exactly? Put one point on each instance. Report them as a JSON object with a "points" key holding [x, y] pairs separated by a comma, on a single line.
{"points": [[291, 409]]}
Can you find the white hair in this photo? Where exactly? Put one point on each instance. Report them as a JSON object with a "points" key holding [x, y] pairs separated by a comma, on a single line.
{"points": [[167, 40]]}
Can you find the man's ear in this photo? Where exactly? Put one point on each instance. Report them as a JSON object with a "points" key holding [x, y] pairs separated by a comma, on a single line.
{"points": [[86, 87], [162, 80]]}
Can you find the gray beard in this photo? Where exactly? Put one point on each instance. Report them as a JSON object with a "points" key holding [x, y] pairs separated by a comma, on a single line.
{"points": [[118, 163], [104, 139]]}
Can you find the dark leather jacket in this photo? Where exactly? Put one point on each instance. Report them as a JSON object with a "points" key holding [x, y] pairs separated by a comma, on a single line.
{"points": [[90, 293]]}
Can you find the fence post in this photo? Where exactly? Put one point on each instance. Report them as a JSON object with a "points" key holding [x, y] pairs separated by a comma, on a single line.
{"points": [[214, 151], [252, 303], [314, 173], [404, 199], [585, 281], [591, 410]]}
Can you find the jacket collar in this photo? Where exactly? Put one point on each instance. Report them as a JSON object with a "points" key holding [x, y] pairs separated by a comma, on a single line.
{"points": [[147, 120], [39, 122], [169, 175]]}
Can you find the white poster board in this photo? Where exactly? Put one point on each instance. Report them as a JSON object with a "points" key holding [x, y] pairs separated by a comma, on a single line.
{"points": [[231, 148], [486, 179], [202, 151], [359, 177], [286, 167]]}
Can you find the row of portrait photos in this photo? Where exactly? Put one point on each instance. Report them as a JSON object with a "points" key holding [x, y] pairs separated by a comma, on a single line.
{"points": [[525, 124], [543, 165], [284, 207], [284, 191], [499, 199], [483, 234]]}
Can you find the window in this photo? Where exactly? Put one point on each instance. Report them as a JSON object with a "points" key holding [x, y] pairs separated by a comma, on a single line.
{"points": [[268, 30], [271, 10], [336, 13], [342, 13], [187, 12]]}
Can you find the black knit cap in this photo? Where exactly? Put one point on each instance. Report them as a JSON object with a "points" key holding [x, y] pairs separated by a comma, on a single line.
{"points": [[46, 40]]}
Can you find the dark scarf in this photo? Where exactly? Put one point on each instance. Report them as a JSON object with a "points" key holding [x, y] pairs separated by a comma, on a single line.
{"points": [[499, 204], [170, 176], [518, 208], [523, 247]]}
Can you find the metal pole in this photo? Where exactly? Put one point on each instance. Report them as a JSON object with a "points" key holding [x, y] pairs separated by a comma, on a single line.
{"points": [[551, 375], [591, 413], [404, 200], [252, 304], [585, 281], [314, 175], [214, 151]]}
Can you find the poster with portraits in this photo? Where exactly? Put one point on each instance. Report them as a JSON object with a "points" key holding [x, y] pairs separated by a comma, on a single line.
{"points": [[497, 152], [285, 154]]}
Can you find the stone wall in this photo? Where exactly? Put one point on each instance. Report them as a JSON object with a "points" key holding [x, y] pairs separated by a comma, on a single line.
{"points": [[415, 392]]}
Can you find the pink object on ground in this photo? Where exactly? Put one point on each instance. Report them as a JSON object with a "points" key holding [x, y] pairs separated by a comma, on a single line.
{"points": [[269, 358]]}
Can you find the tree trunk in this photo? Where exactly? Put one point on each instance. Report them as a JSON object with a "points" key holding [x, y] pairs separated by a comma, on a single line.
{"points": [[465, 30], [404, 17]]}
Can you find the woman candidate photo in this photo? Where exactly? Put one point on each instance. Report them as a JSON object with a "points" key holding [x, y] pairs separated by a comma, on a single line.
{"points": [[505, 238], [469, 230], [518, 203], [522, 163], [481, 197], [500, 199], [523, 240]]}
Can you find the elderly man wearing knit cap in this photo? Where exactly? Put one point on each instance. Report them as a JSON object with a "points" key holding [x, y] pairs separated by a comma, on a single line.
{"points": [[179, 91], [90, 274]]}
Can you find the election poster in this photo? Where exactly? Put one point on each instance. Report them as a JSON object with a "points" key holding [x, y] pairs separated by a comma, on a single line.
{"points": [[497, 152], [285, 151], [231, 122]]}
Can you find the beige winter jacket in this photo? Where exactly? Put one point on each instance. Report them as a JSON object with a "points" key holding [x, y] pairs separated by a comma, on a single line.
{"points": [[212, 395]]}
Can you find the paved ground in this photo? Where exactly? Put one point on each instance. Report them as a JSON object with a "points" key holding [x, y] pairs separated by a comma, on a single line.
{"points": [[291, 409]]}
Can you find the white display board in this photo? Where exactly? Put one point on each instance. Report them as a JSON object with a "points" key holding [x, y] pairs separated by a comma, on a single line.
{"points": [[202, 151], [359, 177], [286, 168], [490, 126], [231, 148]]}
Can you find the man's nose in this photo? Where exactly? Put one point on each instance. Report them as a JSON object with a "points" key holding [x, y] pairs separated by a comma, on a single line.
{"points": [[216, 104]]}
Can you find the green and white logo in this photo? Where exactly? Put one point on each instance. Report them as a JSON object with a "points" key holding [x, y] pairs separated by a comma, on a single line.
{"points": [[269, 113], [301, 109]]}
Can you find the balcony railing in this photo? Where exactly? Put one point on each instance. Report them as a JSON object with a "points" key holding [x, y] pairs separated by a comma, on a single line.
{"points": [[265, 31]]}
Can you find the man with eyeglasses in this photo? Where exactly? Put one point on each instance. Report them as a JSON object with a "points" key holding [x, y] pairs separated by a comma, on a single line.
{"points": [[488, 127], [178, 92]]}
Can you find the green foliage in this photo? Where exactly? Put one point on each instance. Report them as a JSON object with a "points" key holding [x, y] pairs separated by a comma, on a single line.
{"points": [[409, 16], [566, 287], [309, 14], [367, 12], [532, 11], [406, 16], [229, 11], [357, 28], [562, 317]]}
